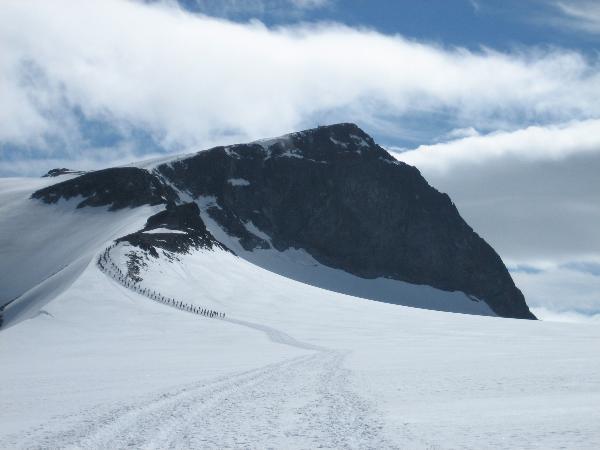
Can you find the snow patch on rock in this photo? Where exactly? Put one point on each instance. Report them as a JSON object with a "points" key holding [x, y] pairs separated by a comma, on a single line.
{"points": [[340, 143], [238, 182], [163, 230], [256, 232]]}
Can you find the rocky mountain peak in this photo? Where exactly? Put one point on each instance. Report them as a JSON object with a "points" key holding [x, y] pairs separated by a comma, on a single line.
{"points": [[325, 144], [330, 191]]}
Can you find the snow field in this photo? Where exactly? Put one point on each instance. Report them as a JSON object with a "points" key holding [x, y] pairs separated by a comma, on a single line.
{"points": [[293, 366]]}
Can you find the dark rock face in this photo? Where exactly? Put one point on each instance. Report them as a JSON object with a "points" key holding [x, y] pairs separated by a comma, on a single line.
{"points": [[119, 187], [335, 193], [234, 227], [189, 231]]}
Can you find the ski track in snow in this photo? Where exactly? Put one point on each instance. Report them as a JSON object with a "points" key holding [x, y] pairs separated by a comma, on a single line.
{"points": [[305, 399]]}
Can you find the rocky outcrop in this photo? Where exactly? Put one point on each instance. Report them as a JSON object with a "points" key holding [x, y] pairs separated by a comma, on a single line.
{"points": [[335, 193], [177, 229], [119, 187]]}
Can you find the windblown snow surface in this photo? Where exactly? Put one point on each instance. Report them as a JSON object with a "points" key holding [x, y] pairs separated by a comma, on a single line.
{"points": [[88, 363]]}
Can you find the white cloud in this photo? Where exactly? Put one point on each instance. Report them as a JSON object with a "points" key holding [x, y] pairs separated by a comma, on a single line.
{"points": [[458, 133], [535, 143], [549, 315], [190, 79], [561, 293], [582, 15]]}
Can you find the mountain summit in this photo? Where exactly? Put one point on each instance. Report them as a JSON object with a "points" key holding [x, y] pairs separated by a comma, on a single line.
{"points": [[330, 192]]}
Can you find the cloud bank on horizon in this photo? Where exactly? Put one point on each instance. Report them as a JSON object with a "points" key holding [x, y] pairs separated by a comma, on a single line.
{"points": [[511, 135]]}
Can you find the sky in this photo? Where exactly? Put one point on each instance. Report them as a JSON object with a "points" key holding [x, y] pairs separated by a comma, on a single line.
{"points": [[495, 101]]}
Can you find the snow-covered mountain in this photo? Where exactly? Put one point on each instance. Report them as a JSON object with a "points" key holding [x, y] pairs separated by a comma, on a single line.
{"points": [[326, 206], [221, 300]]}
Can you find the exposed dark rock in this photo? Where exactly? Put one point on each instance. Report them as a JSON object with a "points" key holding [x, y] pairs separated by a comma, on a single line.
{"points": [[235, 227], [119, 187], [335, 193], [189, 231], [62, 171], [177, 217]]}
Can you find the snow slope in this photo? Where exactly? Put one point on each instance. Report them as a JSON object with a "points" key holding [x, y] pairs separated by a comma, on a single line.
{"points": [[45, 248], [292, 366]]}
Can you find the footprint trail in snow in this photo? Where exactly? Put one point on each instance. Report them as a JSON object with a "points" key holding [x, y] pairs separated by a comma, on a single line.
{"points": [[305, 400]]}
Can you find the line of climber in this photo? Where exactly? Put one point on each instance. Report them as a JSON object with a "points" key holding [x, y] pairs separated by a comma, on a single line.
{"points": [[106, 265]]}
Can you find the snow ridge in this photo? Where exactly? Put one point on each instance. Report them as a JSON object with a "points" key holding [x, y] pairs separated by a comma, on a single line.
{"points": [[107, 265]]}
